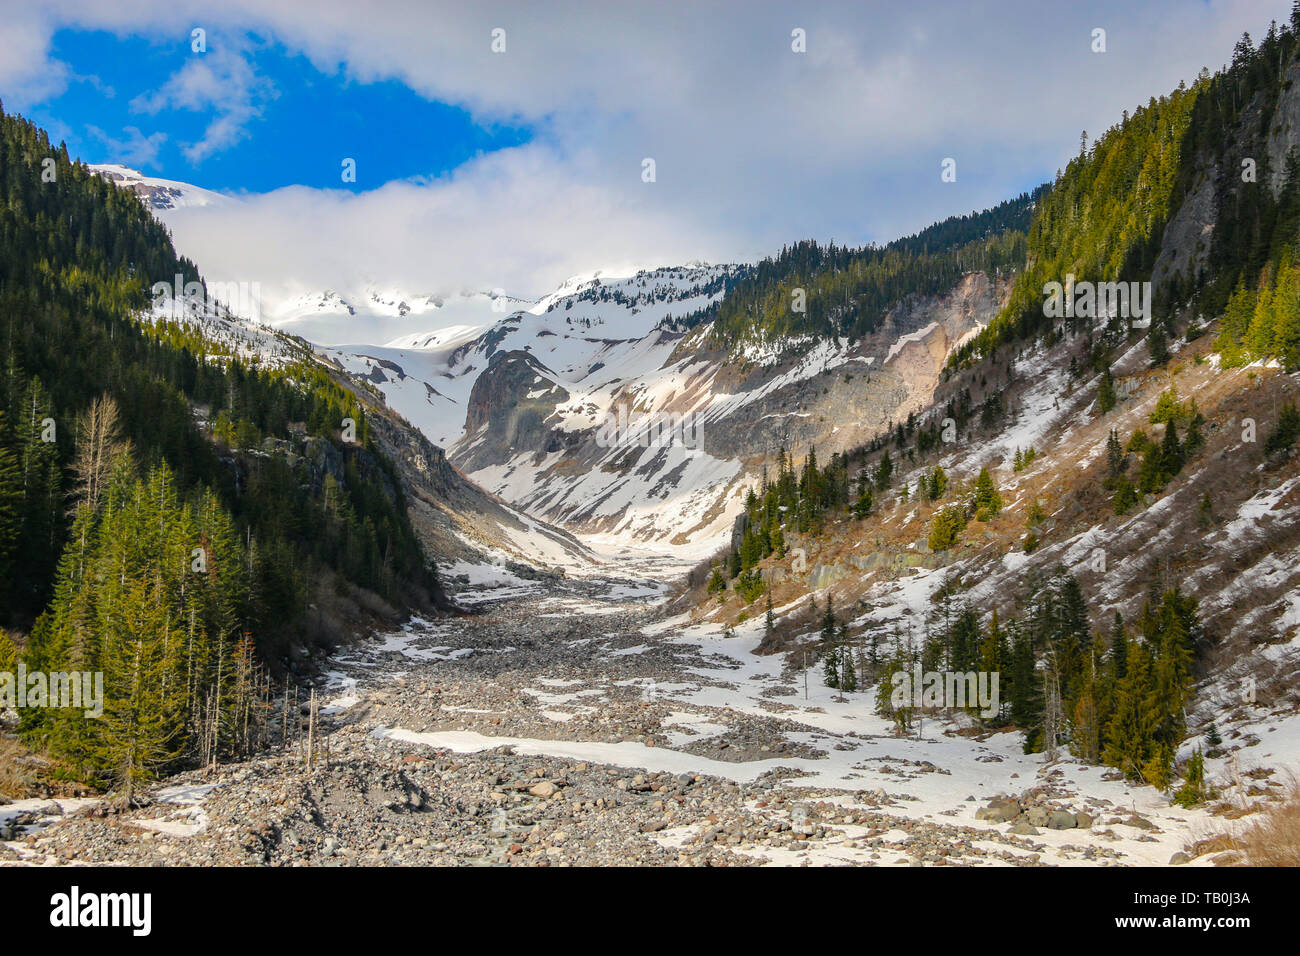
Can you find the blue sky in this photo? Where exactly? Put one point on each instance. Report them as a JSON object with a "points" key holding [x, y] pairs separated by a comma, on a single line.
{"points": [[305, 123], [517, 168]]}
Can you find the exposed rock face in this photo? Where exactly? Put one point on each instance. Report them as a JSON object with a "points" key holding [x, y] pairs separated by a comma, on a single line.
{"points": [[508, 408], [1284, 129], [1188, 234], [456, 519], [542, 441]]}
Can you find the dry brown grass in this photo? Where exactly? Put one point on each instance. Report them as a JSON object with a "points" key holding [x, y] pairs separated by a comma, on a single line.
{"points": [[1274, 840], [15, 778]]}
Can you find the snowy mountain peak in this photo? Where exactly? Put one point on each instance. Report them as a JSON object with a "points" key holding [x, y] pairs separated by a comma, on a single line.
{"points": [[160, 194]]}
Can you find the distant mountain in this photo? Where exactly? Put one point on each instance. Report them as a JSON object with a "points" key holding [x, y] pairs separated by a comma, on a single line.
{"points": [[521, 394], [456, 521], [160, 195]]}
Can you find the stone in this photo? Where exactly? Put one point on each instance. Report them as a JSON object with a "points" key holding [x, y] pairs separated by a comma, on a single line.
{"points": [[545, 789], [1024, 828], [999, 811], [1061, 820]]}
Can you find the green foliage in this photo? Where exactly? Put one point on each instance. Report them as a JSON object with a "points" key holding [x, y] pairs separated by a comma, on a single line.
{"points": [[750, 585], [1106, 397], [1126, 496], [8, 653], [1194, 790], [1284, 435], [1023, 460], [717, 581], [865, 500], [1169, 409], [848, 672], [1102, 220], [947, 524], [936, 483], [1115, 459], [1121, 701], [987, 500], [1160, 463], [101, 581]]}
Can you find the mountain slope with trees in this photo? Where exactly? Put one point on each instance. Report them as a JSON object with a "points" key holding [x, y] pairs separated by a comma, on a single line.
{"points": [[1108, 515], [179, 518]]}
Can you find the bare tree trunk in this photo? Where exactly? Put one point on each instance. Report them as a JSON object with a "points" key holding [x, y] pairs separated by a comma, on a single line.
{"points": [[311, 728]]}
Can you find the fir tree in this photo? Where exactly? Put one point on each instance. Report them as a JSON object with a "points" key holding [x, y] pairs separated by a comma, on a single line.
{"points": [[1106, 397], [987, 500]]}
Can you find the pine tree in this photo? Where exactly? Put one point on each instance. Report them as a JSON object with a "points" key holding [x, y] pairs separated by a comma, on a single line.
{"points": [[1026, 710], [987, 500], [1258, 340], [1158, 343], [1118, 647], [1129, 734], [141, 722], [831, 667], [830, 644], [936, 484], [1171, 452], [1193, 790], [1106, 397], [862, 507], [1114, 458], [945, 527], [11, 506], [848, 675], [884, 472], [1284, 435]]}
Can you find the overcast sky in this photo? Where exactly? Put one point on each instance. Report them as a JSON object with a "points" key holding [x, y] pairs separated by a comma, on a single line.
{"points": [[479, 169]]}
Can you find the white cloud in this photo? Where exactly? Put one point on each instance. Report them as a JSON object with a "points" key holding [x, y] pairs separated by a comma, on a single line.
{"points": [[28, 73], [755, 145], [514, 219], [222, 81], [136, 149]]}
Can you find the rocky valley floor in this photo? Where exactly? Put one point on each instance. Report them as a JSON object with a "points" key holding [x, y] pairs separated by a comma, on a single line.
{"points": [[574, 724]]}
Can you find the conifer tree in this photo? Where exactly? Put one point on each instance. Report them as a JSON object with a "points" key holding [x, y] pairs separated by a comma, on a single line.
{"points": [[830, 644], [1106, 397], [987, 500]]}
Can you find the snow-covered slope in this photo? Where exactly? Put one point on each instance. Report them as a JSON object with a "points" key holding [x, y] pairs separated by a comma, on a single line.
{"points": [[544, 402], [588, 322], [558, 416], [160, 195]]}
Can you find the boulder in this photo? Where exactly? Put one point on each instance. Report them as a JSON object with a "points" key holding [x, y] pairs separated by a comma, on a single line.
{"points": [[1061, 820], [999, 811]]}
